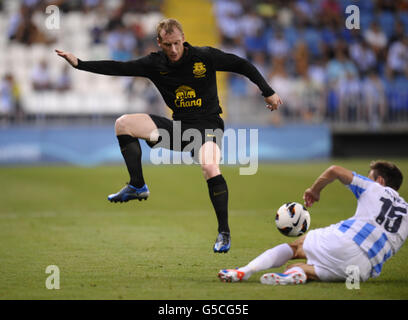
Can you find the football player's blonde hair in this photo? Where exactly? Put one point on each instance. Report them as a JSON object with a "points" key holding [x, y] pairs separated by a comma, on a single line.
{"points": [[168, 26]]}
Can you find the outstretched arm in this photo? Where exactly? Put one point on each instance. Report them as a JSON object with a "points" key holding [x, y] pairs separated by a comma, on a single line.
{"points": [[332, 173], [72, 60], [108, 67], [273, 102], [230, 62]]}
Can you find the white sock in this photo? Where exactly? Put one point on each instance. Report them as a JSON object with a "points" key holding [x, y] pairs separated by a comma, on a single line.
{"points": [[272, 258]]}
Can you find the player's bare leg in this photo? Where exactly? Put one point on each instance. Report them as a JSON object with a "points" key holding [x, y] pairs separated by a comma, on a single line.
{"points": [[307, 268], [297, 247], [210, 156], [138, 125], [129, 128]]}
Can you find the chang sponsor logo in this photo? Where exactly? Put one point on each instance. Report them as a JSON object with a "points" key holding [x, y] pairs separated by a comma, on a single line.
{"points": [[186, 97]]}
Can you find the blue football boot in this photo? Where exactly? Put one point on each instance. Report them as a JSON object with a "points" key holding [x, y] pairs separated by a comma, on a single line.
{"points": [[223, 242], [130, 192]]}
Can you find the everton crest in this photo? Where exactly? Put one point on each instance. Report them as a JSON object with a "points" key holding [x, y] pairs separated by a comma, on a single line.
{"points": [[199, 70]]}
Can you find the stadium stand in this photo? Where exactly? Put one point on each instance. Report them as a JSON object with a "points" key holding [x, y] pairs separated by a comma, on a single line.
{"points": [[323, 71], [90, 29]]}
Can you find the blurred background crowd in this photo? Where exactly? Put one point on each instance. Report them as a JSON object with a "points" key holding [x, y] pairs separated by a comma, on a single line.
{"points": [[323, 71]]}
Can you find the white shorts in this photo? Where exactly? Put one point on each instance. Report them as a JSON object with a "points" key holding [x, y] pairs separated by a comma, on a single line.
{"points": [[331, 253]]}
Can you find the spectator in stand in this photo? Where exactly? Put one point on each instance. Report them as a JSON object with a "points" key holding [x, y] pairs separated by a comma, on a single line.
{"points": [[401, 5], [256, 43], [317, 72], [278, 47], [22, 28], [363, 56], [376, 39], [349, 88], [397, 60], [141, 6], [317, 81], [339, 66], [280, 79], [284, 15], [329, 35], [230, 27], [387, 5], [399, 31], [32, 5], [64, 81], [234, 46], [331, 12], [10, 106], [225, 8], [301, 57], [251, 24], [41, 78], [305, 11], [228, 13], [122, 43], [373, 99], [89, 5], [259, 61]]}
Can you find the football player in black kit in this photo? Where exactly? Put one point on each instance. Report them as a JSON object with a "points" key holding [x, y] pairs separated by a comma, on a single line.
{"points": [[186, 78]]}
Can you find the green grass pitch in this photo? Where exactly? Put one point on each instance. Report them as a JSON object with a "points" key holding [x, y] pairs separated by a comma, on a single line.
{"points": [[162, 248]]}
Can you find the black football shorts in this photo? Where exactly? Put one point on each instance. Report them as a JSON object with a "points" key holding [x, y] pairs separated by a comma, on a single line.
{"points": [[188, 135]]}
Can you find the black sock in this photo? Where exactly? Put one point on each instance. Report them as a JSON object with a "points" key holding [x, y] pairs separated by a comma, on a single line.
{"points": [[132, 153], [218, 190]]}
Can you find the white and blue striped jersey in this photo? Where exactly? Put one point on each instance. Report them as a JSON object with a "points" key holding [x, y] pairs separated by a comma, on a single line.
{"points": [[380, 224]]}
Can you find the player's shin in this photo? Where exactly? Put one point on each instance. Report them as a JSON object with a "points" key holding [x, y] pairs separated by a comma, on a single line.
{"points": [[132, 153], [218, 190]]}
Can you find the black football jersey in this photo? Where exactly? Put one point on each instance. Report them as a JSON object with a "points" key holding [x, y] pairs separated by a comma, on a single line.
{"points": [[188, 86]]}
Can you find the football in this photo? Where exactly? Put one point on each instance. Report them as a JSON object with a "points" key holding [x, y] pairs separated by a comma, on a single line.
{"points": [[292, 219]]}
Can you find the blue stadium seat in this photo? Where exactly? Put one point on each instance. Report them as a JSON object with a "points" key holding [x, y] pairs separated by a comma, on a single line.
{"points": [[238, 85], [291, 35], [332, 102], [312, 37], [396, 93], [366, 18], [328, 36], [387, 20], [403, 16]]}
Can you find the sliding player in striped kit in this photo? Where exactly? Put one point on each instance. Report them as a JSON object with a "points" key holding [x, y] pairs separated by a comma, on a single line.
{"points": [[374, 234]]}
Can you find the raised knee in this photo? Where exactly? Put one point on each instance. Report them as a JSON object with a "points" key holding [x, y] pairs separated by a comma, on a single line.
{"points": [[208, 167], [121, 125], [210, 170], [294, 248], [297, 247]]}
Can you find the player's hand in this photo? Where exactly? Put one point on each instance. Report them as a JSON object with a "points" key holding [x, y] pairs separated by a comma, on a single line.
{"points": [[72, 60], [273, 102], [310, 197]]}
